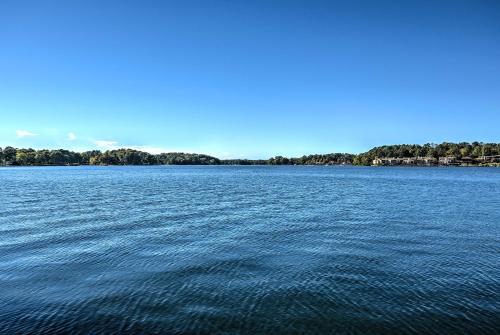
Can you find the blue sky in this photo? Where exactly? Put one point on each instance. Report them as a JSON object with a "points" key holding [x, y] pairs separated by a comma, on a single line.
{"points": [[248, 78]]}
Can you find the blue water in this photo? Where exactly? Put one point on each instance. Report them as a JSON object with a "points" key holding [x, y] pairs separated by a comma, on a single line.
{"points": [[249, 250]]}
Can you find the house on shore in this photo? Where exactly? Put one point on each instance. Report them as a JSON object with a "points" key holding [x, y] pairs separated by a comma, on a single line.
{"points": [[489, 159], [449, 161], [394, 161], [442, 161]]}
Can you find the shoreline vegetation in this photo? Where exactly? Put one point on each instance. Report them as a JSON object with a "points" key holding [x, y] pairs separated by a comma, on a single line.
{"points": [[444, 154]]}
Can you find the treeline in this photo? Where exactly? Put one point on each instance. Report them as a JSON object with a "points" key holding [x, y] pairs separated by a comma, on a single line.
{"points": [[445, 149], [27, 157], [244, 162], [327, 159], [135, 157], [13, 156]]}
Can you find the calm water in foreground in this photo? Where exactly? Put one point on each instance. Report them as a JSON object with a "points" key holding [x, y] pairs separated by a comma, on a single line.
{"points": [[254, 250]]}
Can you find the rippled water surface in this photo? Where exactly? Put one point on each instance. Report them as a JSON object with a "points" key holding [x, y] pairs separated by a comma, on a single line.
{"points": [[254, 250]]}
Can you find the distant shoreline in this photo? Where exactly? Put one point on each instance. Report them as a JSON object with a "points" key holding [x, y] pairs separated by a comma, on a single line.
{"points": [[259, 165], [464, 154], [494, 165]]}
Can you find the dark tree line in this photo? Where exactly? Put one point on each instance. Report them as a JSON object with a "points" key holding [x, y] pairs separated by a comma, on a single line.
{"points": [[330, 159], [13, 156], [244, 162]]}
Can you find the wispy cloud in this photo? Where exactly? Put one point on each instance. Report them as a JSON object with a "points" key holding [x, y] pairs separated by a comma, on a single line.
{"points": [[71, 136], [24, 133], [108, 145], [113, 145], [224, 155], [150, 149]]}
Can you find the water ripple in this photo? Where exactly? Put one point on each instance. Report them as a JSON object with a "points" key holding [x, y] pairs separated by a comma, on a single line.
{"points": [[249, 250]]}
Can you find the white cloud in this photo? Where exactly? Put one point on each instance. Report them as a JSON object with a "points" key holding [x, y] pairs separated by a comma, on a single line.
{"points": [[113, 145], [108, 145], [24, 133], [150, 149], [71, 136], [224, 155]]}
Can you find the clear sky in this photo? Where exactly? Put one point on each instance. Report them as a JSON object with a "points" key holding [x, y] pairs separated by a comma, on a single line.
{"points": [[248, 78]]}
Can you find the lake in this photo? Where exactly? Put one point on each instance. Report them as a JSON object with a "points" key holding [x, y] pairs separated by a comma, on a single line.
{"points": [[249, 250]]}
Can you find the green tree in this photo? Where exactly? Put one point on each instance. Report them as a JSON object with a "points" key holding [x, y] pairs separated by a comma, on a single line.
{"points": [[9, 155]]}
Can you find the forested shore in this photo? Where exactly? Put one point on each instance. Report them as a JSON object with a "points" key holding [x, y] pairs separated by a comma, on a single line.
{"points": [[464, 154]]}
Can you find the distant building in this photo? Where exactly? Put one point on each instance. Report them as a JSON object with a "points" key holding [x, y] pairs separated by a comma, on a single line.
{"points": [[449, 160], [427, 161], [431, 161], [489, 159], [392, 161], [466, 161]]}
